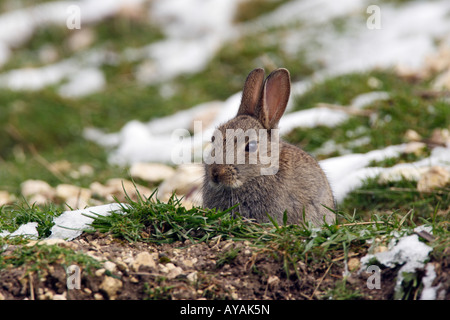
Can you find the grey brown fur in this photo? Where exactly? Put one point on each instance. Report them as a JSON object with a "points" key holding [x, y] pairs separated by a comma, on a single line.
{"points": [[299, 186]]}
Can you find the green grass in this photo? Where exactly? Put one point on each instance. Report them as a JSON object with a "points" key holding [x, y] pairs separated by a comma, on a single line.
{"points": [[39, 257], [150, 220], [401, 196], [13, 218]]}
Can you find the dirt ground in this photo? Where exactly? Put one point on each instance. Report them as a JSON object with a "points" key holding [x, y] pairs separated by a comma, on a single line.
{"points": [[140, 271]]}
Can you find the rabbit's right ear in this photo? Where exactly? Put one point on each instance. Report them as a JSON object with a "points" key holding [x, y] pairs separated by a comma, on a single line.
{"points": [[275, 97], [251, 93]]}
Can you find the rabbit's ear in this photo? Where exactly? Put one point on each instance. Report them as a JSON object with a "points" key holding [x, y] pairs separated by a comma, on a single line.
{"points": [[275, 97], [251, 93]]}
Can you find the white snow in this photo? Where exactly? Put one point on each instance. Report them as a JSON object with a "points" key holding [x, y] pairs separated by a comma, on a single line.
{"points": [[26, 230], [429, 292], [348, 172], [70, 224], [83, 82], [409, 253], [406, 36]]}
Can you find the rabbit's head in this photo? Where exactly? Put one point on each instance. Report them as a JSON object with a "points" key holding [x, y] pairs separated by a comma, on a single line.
{"points": [[247, 146]]}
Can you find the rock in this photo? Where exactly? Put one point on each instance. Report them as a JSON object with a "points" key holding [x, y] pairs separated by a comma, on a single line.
{"points": [[6, 198], [437, 62], [192, 277], [151, 172], [67, 191], [110, 266], [353, 264], [208, 115], [415, 147], [171, 270], [111, 286], [81, 39], [120, 186], [98, 296], [273, 281], [442, 81], [117, 188], [187, 178], [53, 242], [189, 263], [144, 259], [83, 171], [74, 197], [440, 137], [48, 54], [380, 248], [412, 135], [435, 177], [37, 187], [59, 297], [402, 172]]}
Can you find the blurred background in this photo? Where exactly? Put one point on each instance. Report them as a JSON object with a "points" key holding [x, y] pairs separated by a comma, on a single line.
{"points": [[79, 79]]}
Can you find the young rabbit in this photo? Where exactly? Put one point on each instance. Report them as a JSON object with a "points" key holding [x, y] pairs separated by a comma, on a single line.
{"points": [[293, 181]]}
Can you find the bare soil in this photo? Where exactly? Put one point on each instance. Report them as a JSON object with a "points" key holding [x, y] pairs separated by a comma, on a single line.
{"points": [[199, 271]]}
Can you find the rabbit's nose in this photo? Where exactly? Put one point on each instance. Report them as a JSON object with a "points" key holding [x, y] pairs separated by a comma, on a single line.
{"points": [[216, 172]]}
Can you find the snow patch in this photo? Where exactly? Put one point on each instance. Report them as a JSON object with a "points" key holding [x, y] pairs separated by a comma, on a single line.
{"points": [[409, 253], [70, 224]]}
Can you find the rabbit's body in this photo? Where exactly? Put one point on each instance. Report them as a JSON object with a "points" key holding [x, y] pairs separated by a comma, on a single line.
{"points": [[298, 185]]}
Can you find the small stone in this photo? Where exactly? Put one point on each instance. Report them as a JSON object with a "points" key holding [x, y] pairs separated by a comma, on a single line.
{"points": [[189, 263], [193, 277], [87, 290], [412, 135], [98, 296], [353, 264], [171, 270], [100, 272], [273, 281], [34, 187], [207, 116], [133, 279], [67, 191], [436, 177], [6, 198], [415, 147], [143, 259], [374, 83], [59, 297], [399, 173], [380, 248], [440, 137], [111, 286], [122, 266], [187, 177], [81, 39], [110, 266], [151, 172], [120, 187], [39, 199]]}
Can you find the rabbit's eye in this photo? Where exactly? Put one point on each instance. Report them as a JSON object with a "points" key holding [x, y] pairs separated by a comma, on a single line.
{"points": [[251, 146], [213, 138]]}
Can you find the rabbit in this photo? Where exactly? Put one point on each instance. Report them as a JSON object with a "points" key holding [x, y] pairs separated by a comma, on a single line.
{"points": [[298, 185]]}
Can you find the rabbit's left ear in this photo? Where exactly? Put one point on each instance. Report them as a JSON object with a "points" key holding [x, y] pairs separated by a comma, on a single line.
{"points": [[251, 93], [275, 97]]}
